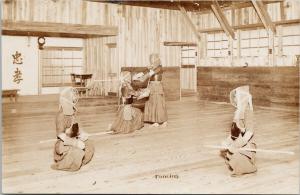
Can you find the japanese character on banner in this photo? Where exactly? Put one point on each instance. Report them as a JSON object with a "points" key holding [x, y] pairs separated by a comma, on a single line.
{"points": [[17, 58], [17, 76]]}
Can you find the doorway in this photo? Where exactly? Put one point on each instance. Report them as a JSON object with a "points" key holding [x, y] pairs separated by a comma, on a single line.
{"points": [[188, 71]]}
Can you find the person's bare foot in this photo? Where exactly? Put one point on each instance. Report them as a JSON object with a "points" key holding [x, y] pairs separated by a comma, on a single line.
{"points": [[155, 125], [164, 124]]}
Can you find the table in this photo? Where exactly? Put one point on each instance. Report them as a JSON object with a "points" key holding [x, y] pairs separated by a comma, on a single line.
{"points": [[83, 79], [10, 93], [81, 85]]}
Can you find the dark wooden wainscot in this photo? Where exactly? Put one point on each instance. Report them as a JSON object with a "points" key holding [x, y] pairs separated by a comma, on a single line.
{"points": [[269, 86]]}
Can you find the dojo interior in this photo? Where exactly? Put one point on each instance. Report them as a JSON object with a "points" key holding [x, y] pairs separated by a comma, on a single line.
{"points": [[207, 48]]}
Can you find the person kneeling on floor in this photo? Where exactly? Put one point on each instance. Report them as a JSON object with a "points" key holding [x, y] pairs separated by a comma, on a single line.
{"points": [[72, 148], [129, 118], [238, 147]]}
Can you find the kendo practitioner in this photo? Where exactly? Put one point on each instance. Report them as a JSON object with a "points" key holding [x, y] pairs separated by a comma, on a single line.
{"points": [[128, 118], [155, 108], [241, 136], [72, 148]]}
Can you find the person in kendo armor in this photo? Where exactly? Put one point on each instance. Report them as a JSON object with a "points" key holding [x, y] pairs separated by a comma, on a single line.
{"points": [[128, 118], [241, 136], [155, 111], [72, 148]]}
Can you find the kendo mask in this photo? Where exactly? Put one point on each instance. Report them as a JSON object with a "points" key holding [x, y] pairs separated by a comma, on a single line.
{"points": [[154, 60], [67, 100], [241, 99], [125, 77]]}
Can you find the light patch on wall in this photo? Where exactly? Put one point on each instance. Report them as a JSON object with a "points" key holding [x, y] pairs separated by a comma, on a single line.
{"points": [[29, 69], [20, 64]]}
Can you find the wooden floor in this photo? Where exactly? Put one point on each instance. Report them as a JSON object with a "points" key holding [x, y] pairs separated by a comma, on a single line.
{"points": [[129, 163]]}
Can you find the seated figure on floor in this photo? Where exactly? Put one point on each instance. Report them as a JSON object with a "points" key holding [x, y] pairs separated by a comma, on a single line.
{"points": [[239, 160], [72, 148], [128, 118]]}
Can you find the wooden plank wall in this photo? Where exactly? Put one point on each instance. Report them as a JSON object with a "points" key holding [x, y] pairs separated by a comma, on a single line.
{"points": [[171, 82], [159, 25], [142, 31], [269, 86], [61, 11]]}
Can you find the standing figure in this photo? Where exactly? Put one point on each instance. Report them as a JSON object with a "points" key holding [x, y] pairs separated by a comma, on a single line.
{"points": [[239, 160], [72, 148], [155, 107], [128, 118]]}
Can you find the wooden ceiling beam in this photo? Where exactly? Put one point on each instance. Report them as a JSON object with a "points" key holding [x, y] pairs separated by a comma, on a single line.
{"points": [[222, 19], [189, 21], [189, 5], [199, 6], [56, 29], [263, 15], [251, 26], [178, 43]]}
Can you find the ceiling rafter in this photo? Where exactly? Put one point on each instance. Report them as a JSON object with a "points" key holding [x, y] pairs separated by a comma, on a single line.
{"points": [[263, 15], [222, 19], [189, 21]]}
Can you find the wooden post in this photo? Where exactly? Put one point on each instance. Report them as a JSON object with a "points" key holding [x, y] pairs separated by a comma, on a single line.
{"points": [[279, 33], [280, 47], [230, 38], [230, 50], [83, 15], [39, 72], [271, 48], [238, 48], [282, 11]]}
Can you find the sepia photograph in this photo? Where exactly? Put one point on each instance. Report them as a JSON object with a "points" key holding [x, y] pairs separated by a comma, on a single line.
{"points": [[150, 97]]}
